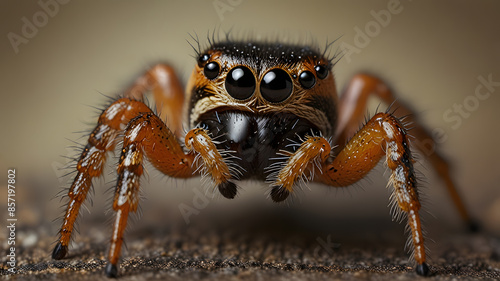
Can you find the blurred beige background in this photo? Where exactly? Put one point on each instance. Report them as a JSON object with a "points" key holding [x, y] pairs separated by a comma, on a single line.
{"points": [[432, 53]]}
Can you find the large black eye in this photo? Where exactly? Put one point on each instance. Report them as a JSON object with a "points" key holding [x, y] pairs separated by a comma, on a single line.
{"points": [[240, 83], [322, 71], [307, 79], [276, 86], [211, 70]]}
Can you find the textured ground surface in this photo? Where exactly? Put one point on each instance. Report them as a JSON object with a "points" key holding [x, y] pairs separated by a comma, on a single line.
{"points": [[267, 248]]}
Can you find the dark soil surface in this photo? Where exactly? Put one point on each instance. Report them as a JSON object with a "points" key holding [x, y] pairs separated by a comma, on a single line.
{"points": [[269, 248]]}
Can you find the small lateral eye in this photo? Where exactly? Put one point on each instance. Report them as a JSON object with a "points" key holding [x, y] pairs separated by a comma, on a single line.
{"points": [[202, 59], [321, 71], [240, 83], [276, 85], [307, 79], [211, 70]]}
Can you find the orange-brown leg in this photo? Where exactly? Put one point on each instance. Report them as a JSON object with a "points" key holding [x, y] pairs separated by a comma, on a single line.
{"points": [[352, 106], [382, 135], [168, 94], [213, 164], [169, 99], [91, 163], [145, 135], [300, 166]]}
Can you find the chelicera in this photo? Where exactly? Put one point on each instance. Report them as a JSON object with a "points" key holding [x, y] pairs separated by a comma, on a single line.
{"points": [[260, 111]]}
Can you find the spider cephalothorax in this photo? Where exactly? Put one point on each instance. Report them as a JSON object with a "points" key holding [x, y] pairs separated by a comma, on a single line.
{"points": [[267, 111], [264, 79], [259, 100]]}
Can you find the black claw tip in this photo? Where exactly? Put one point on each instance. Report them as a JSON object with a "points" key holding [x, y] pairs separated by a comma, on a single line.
{"points": [[228, 189], [423, 269], [60, 251], [474, 226], [278, 193], [111, 270]]}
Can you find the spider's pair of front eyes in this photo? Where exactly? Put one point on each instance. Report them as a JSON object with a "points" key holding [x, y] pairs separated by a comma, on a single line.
{"points": [[276, 85]]}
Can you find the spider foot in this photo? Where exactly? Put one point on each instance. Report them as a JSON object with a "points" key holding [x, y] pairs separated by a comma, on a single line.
{"points": [[59, 251], [423, 269], [111, 270], [474, 226], [228, 189], [279, 193]]}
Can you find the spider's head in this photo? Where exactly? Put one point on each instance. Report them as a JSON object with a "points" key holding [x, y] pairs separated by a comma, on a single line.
{"points": [[264, 78]]}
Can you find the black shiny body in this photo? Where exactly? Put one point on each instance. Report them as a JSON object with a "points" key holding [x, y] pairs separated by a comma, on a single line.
{"points": [[256, 139]]}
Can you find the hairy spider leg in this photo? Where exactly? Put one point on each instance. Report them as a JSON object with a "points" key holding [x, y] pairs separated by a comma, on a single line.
{"points": [[168, 94], [146, 135], [300, 165], [92, 161], [382, 135], [352, 107], [213, 164], [169, 100]]}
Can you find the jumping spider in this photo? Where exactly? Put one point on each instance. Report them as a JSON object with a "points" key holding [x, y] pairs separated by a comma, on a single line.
{"points": [[266, 111]]}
